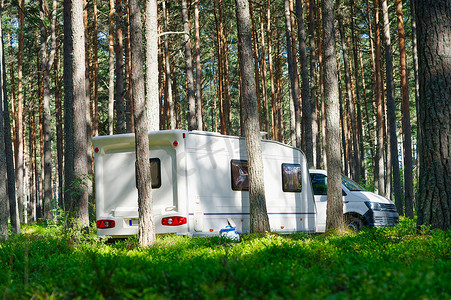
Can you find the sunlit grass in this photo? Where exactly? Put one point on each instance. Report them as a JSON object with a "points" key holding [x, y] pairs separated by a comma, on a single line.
{"points": [[393, 262]]}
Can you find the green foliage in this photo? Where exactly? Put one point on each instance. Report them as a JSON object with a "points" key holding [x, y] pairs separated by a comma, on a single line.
{"points": [[385, 263]]}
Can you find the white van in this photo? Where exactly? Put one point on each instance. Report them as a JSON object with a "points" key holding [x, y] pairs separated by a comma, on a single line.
{"points": [[360, 207], [199, 184]]}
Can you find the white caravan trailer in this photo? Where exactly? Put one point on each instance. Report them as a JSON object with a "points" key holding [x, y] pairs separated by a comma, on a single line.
{"points": [[200, 184]]}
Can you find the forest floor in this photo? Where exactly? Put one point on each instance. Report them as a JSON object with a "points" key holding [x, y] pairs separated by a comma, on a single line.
{"points": [[401, 262]]}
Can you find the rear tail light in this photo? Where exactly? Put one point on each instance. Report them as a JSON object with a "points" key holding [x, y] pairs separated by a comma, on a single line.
{"points": [[105, 224], [173, 221]]}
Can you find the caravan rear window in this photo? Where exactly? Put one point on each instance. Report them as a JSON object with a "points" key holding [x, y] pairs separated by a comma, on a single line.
{"points": [[291, 178], [155, 173], [240, 175]]}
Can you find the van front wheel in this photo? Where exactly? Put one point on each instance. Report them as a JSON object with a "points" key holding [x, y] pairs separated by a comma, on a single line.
{"points": [[354, 223]]}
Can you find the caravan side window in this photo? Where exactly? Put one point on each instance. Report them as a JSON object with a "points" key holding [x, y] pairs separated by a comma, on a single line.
{"points": [[291, 178], [155, 173], [240, 175]]}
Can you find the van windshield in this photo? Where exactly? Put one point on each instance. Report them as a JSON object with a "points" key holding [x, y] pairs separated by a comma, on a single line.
{"points": [[351, 185]]}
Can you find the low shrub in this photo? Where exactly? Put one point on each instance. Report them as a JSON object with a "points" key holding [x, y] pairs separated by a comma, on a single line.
{"points": [[383, 263]]}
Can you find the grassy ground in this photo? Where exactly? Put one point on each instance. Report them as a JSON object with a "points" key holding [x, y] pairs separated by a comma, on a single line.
{"points": [[387, 263]]}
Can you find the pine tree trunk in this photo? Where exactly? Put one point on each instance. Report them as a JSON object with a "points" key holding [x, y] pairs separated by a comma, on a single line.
{"points": [[259, 221], [76, 168], [95, 75], [379, 158], [357, 98], [293, 74], [9, 154], [313, 75], [19, 161], [334, 217], [111, 69], [434, 202], [199, 105], [4, 213], [128, 70], [189, 71], [353, 147], [120, 105], [59, 130], [152, 72], [391, 112], [145, 209], [305, 87], [407, 132], [168, 74], [274, 110]]}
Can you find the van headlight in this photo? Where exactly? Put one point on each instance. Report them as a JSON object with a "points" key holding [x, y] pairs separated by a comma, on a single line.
{"points": [[374, 205]]}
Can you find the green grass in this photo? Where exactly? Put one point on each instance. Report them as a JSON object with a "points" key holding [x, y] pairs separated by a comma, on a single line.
{"points": [[385, 263]]}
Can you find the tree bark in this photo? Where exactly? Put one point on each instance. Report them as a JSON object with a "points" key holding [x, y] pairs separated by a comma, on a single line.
{"points": [[76, 168], [198, 67], [334, 217], [120, 105], [305, 87], [47, 62], [391, 112], [168, 73], [353, 149], [316, 136], [4, 213], [145, 209], [19, 153], [434, 40], [189, 70], [407, 132], [293, 74], [111, 69], [152, 73], [13, 205], [259, 221], [379, 158]]}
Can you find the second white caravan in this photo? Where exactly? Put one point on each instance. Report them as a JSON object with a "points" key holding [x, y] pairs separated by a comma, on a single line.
{"points": [[200, 184]]}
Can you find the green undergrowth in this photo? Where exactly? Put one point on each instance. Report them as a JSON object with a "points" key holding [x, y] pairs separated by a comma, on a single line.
{"points": [[386, 263]]}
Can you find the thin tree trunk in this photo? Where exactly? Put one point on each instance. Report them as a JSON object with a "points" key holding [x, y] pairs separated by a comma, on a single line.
{"points": [[334, 217], [274, 110], [170, 100], [95, 75], [434, 203], [391, 112], [379, 158], [316, 137], [198, 67], [292, 71], [189, 71], [354, 153], [152, 73], [47, 62], [128, 70], [145, 209], [305, 87], [13, 205], [357, 98], [4, 213], [259, 221], [19, 161], [120, 106], [59, 130], [111, 69], [407, 132]]}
